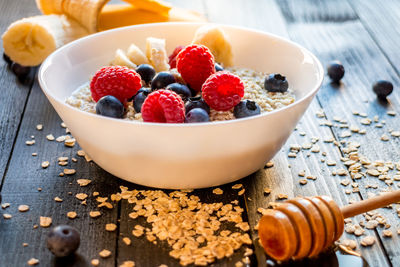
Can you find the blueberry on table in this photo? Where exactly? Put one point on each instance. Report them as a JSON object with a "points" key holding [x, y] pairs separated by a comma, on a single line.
{"points": [[110, 106], [197, 115], [20, 71], [196, 102], [162, 80], [335, 71], [382, 88], [7, 59], [146, 72], [63, 240], [139, 98], [218, 67], [246, 108], [180, 89], [276, 83]]}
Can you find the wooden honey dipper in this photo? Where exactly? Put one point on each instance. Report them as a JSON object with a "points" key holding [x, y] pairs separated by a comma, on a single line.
{"points": [[304, 227]]}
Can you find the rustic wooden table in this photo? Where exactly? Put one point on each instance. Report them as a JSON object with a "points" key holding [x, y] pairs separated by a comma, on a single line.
{"points": [[363, 34]]}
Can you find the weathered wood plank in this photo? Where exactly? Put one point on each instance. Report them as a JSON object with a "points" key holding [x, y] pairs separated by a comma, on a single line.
{"points": [[281, 178], [381, 18], [364, 63], [14, 94], [25, 175]]}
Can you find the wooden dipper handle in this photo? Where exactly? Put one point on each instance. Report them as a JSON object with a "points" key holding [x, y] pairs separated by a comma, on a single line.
{"points": [[370, 204]]}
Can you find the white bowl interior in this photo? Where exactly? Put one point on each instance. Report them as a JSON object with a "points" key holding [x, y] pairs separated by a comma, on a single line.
{"points": [[252, 49]]}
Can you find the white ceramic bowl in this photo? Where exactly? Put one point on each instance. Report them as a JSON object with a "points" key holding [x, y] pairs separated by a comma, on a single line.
{"points": [[180, 155]]}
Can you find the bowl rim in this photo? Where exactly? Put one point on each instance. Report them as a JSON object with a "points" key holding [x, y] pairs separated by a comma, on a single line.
{"points": [[47, 63]]}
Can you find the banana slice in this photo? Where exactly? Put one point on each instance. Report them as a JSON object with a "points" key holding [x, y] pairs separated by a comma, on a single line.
{"points": [[121, 59], [50, 6], [157, 54], [86, 12], [136, 55], [217, 41], [30, 40]]}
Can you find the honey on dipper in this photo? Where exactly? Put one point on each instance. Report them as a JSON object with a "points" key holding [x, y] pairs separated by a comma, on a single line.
{"points": [[304, 227]]}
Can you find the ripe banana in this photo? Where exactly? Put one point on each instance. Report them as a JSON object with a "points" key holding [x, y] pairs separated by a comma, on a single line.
{"points": [[50, 6], [156, 6], [30, 40], [86, 12], [217, 41], [121, 59], [136, 55], [157, 54]]}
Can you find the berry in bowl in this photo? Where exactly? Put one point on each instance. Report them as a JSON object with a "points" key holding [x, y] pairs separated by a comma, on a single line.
{"points": [[204, 105]]}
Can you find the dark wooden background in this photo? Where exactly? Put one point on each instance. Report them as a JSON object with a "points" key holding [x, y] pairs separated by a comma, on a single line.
{"points": [[363, 34]]}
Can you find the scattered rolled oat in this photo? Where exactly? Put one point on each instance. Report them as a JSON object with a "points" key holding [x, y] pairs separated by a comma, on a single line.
{"points": [[352, 244], [57, 199], [269, 164], [94, 214], [69, 171], [69, 142], [368, 241], [303, 181], [33, 261], [111, 227], [127, 241], [128, 264], [71, 214], [45, 164], [5, 205], [50, 137], [282, 196], [237, 186], [105, 253], [81, 196], [23, 208], [39, 127], [387, 233], [7, 216], [267, 190], [218, 191], [30, 142], [95, 262], [63, 125], [241, 192], [83, 182], [45, 221]]}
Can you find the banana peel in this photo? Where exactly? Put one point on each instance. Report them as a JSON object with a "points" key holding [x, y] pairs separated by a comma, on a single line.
{"points": [[30, 40]]}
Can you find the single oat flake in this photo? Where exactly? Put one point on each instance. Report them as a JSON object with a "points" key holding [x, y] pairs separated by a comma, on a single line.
{"points": [[33, 261], [105, 253], [218, 191], [72, 214], [45, 221], [23, 208], [111, 227]]}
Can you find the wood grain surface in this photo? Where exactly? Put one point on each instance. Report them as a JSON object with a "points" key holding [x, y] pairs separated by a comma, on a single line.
{"points": [[361, 34]]}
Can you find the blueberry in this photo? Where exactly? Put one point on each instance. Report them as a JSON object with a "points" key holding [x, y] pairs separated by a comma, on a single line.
{"points": [[20, 71], [139, 99], [276, 83], [335, 71], [218, 67], [196, 102], [146, 72], [246, 108], [180, 89], [110, 106], [63, 240], [197, 115], [162, 80], [382, 88], [7, 59]]}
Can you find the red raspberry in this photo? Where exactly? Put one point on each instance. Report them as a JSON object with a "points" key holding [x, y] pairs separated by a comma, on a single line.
{"points": [[118, 81], [223, 90], [195, 63], [163, 106], [172, 57]]}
